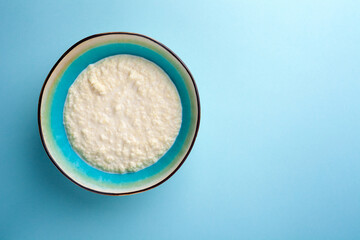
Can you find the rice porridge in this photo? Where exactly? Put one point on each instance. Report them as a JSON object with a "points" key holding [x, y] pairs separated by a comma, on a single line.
{"points": [[122, 114]]}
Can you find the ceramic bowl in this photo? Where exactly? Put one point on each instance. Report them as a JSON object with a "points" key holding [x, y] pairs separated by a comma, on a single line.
{"points": [[52, 100]]}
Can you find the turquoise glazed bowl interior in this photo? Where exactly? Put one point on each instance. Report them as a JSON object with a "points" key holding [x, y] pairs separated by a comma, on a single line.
{"points": [[51, 107]]}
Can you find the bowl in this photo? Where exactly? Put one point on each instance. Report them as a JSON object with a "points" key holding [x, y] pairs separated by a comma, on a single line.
{"points": [[51, 106]]}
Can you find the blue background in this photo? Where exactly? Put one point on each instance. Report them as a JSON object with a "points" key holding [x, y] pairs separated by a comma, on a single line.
{"points": [[278, 151]]}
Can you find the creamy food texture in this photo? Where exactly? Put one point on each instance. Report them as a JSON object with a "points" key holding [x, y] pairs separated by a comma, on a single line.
{"points": [[122, 114]]}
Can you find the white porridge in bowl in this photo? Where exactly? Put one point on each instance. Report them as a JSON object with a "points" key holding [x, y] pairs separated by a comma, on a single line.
{"points": [[122, 114]]}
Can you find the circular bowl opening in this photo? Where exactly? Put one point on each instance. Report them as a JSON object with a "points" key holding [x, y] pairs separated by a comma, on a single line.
{"points": [[51, 106]]}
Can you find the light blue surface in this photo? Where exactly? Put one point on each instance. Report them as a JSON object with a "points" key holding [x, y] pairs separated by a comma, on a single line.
{"points": [[278, 151], [58, 101]]}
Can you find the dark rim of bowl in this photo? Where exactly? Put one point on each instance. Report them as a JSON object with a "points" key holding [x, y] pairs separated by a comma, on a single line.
{"points": [[50, 73]]}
